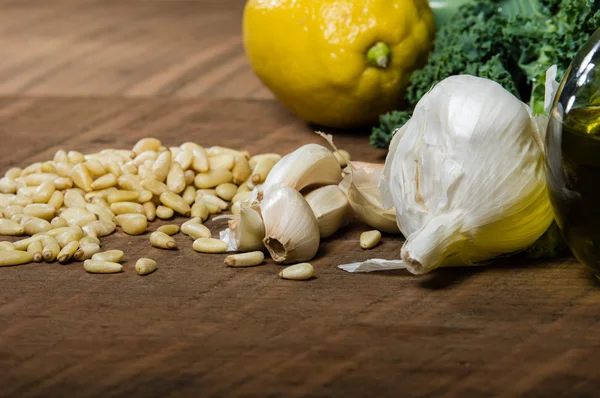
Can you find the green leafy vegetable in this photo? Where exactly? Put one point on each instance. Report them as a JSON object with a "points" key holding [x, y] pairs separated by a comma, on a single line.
{"points": [[512, 42]]}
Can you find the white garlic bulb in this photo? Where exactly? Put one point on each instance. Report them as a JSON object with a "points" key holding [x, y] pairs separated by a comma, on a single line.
{"points": [[331, 208]]}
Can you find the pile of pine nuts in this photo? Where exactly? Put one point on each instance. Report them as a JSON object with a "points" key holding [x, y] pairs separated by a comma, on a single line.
{"points": [[66, 204]]}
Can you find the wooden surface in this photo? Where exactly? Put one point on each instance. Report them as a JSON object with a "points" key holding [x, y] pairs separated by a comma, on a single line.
{"points": [[196, 328]]}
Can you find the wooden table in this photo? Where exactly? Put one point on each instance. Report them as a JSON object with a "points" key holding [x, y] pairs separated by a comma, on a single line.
{"points": [[96, 74]]}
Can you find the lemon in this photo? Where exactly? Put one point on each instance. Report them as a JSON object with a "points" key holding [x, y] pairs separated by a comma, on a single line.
{"points": [[337, 63]]}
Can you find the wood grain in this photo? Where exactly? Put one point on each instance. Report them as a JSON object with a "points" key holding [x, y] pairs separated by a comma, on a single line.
{"points": [[124, 47], [197, 328], [96, 74]]}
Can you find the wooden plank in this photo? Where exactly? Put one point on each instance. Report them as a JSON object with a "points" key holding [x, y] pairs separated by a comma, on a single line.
{"points": [[197, 328]]}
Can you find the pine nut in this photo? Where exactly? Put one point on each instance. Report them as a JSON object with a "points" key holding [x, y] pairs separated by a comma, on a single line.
{"points": [[256, 159], [220, 150], [197, 231], [35, 249], [7, 246], [164, 213], [64, 170], [176, 178], [27, 191], [189, 176], [244, 188], [73, 233], [213, 200], [200, 210], [23, 244], [20, 218], [10, 228], [200, 193], [8, 185], [185, 158], [162, 241], [58, 222], [75, 157], [101, 211], [106, 181], [241, 170], [126, 207], [245, 259], [13, 173], [212, 178], [36, 179], [157, 188], [213, 209], [114, 168], [169, 229], [150, 210], [209, 245], [176, 203], [74, 198], [77, 216], [189, 195], [67, 252], [85, 252], [298, 272], [20, 200], [48, 167], [35, 226], [226, 191], [56, 200], [99, 228], [146, 144], [10, 211], [122, 196], [102, 267], [102, 194], [62, 183], [144, 157], [224, 161], [43, 192], [133, 224], [95, 167], [40, 211], [144, 196], [161, 166], [369, 239], [241, 196], [262, 169], [14, 257], [87, 240], [82, 177], [130, 182], [145, 266], [200, 161], [113, 256], [128, 168], [33, 168], [50, 251]]}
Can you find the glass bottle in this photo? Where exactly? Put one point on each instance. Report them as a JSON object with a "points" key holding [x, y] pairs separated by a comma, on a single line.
{"points": [[573, 155]]}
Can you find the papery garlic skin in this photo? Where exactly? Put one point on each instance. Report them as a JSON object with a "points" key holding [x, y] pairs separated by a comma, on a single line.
{"points": [[291, 228], [361, 186], [331, 208], [311, 164], [466, 177]]}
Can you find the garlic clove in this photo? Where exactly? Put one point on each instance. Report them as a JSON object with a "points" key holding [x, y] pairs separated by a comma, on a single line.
{"points": [[291, 228], [331, 208], [246, 230], [311, 164], [360, 184]]}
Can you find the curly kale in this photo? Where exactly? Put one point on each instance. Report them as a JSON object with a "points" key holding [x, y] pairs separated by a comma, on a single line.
{"points": [[512, 42]]}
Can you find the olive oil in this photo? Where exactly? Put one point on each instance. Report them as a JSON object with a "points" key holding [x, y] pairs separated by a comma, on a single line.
{"points": [[574, 182]]}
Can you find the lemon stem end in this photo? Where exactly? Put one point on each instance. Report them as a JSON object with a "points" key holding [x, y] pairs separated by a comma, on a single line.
{"points": [[379, 55]]}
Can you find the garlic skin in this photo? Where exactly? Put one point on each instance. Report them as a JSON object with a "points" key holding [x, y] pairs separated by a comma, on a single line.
{"points": [[361, 186], [246, 231], [311, 164], [466, 176], [291, 228], [331, 208]]}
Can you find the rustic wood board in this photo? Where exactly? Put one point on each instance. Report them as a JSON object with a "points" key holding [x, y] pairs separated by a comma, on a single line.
{"points": [[197, 328]]}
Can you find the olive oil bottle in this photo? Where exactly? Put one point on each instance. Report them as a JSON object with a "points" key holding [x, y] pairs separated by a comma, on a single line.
{"points": [[576, 200], [573, 155]]}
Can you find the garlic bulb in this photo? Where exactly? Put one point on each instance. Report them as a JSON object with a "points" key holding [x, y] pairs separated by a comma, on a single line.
{"points": [[466, 177], [360, 184], [291, 228], [311, 164], [246, 230], [331, 208]]}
